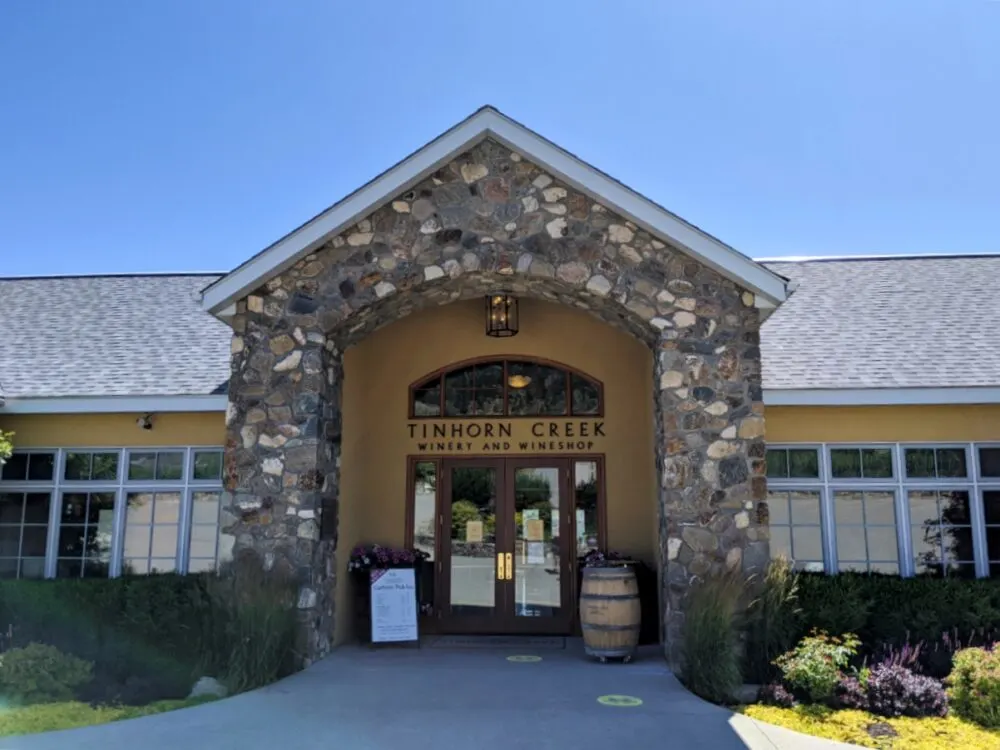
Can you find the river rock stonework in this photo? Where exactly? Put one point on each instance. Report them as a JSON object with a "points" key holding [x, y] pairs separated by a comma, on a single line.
{"points": [[490, 220]]}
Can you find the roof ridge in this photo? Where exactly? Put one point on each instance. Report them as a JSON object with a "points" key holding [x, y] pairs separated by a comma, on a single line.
{"points": [[852, 258], [174, 274]]}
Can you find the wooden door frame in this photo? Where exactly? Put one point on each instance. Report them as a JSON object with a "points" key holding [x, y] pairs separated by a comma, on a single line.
{"points": [[439, 622], [562, 623], [458, 623]]}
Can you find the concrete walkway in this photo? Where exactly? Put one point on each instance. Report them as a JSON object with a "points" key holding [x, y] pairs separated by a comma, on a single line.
{"points": [[445, 698]]}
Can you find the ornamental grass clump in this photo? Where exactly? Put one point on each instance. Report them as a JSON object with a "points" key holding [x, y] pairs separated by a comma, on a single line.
{"points": [[710, 642], [255, 621], [813, 668], [975, 686], [772, 623]]}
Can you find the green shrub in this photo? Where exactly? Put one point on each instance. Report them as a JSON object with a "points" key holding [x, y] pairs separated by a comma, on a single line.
{"points": [[710, 642], [974, 689], [157, 626], [884, 609], [256, 623], [772, 626], [39, 673], [813, 668]]}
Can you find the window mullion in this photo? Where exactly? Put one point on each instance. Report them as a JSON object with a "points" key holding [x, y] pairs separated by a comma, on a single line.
{"points": [[182, 553], [978, 510], [826, 511], [904, 539], [118, 517], [55, 513]]}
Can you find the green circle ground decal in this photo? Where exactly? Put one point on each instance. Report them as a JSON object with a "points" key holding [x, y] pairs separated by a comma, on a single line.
{"points": [[619, 700], [524, 658]]}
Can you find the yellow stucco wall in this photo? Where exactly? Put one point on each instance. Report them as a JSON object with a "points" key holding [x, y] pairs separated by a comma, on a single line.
{"points": [[379, 371], [840, 424], [114, 430]]}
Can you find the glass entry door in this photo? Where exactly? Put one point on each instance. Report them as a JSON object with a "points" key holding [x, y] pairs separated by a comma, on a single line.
{"points": [[508, 547]]}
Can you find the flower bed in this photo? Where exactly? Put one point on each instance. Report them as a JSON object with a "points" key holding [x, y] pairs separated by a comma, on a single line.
{"points": [[868, 730], [902, 692]]}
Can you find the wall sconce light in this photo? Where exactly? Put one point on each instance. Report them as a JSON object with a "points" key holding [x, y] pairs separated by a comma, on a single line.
{"points": [[501, 315]]}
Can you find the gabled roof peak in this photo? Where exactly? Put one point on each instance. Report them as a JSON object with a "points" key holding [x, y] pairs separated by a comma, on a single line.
{"points": [[489, 122]]}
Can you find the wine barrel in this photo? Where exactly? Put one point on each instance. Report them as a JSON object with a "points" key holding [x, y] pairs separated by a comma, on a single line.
{"points": [[610, 615]]}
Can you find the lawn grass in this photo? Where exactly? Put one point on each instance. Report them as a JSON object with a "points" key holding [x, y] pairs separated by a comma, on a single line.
{"points": [[951, 733], [47, 717]]}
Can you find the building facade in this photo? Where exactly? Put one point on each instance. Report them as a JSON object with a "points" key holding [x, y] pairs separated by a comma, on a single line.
{"points": [[341, 388]]}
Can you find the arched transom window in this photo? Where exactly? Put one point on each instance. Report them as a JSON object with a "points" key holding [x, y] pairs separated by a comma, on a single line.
{"points": [[508, 387]]}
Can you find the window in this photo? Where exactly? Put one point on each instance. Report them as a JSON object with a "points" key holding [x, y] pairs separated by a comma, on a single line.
{"points": [[85, 467], [866, 531], [24, 530], [935, 463], [792, 463], [989, 462], [152, 522], [861, 463], [160, 465], [207, 466], [796, 531], [941, 530], [115, 510], [28, 467], [515, 388], [991, 513], [425, 483], [85, 529], [209, 546], [587, 521]]}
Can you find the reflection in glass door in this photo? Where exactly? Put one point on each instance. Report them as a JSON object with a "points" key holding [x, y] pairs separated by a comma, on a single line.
{"points": [[537, 568], [511, 530], [471, 490]]}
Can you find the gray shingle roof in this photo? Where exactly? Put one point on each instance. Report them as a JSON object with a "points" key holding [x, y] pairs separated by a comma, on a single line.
{"points": [[913, 322], [110, 336], [851, 323]]}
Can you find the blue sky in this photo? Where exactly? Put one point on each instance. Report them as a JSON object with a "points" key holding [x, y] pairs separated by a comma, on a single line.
{"points": [[188, 135]]}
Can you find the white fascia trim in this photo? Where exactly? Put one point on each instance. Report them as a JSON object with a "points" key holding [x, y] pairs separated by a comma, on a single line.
{"points": [[115, 404], [630, 204], [882, 396], [286, 251], [490, 123]]}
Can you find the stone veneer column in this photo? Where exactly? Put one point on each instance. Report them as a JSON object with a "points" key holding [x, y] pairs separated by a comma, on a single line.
{"points": [[283, 450], [710, 433]]}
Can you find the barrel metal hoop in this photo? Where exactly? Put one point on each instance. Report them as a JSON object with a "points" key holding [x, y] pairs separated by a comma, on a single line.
{"points": [[610, 596], [586, 626]]}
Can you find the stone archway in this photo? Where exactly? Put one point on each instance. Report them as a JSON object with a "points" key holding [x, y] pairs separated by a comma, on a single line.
{"points": [[487, 221]]}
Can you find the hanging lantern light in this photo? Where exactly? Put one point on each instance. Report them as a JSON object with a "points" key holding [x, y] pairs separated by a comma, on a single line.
{"points": [[518, 381], [501, 315]]}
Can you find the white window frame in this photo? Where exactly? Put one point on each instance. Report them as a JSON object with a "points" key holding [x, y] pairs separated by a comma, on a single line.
{"points": [[982, 486], [900, 485], [808, 484], [121, 486]]}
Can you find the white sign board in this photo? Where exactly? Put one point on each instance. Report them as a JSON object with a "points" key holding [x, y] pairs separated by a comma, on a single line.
{"points": [[536, 553], [394, 605]]}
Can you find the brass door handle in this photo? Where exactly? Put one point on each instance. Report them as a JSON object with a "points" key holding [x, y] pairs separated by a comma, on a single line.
{"points": [[500, 575], [509, 557]]}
